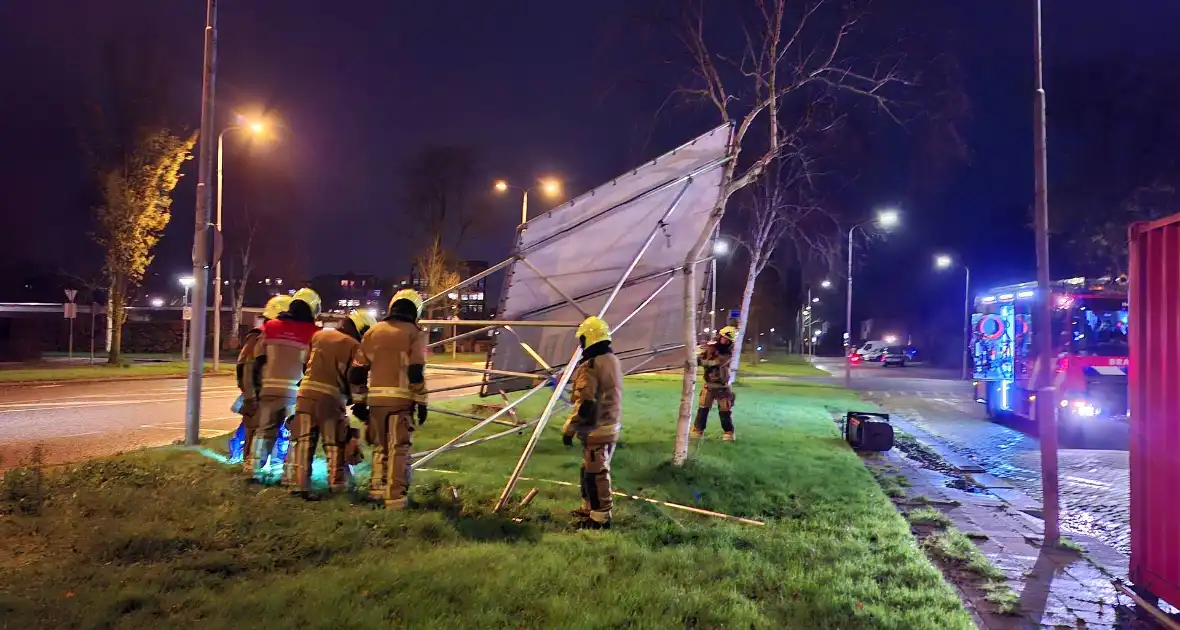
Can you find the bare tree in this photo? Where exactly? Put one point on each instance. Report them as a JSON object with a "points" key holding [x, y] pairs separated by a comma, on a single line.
{"points": [[781, 92], [441, 191], [438, 271], [240, 279]]}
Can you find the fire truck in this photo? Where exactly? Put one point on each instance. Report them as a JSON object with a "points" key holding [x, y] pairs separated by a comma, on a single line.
{"points": [[1089, 331]]}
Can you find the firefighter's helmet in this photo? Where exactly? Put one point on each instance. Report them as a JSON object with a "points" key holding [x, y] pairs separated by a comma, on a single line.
{"points": [[363, 320], [410, 295], [276, 305], [309, 297], [729, 332], [593, 330]]}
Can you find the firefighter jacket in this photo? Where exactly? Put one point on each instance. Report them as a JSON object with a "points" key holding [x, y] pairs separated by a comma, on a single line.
{"points": [[285, 344], [716, 366], [597, 416], [248, 369], [393, 355], [332, 353]]}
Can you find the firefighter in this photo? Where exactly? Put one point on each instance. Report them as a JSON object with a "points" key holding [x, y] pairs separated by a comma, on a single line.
{"points": [[389, 381], [715, 358], [596, 418], [250, 377], [284, 346], [320, 406]]}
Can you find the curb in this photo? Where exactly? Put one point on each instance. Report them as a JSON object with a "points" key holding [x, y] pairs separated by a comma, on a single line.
{"points": [[109, 379]]}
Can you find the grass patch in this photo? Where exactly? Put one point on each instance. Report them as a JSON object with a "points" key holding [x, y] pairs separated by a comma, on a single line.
{"points": [[1069, 544], [894, 486], [100, 371], [956, 549], [1006, 601], [779, 364], [170, 537], [928, 516]]}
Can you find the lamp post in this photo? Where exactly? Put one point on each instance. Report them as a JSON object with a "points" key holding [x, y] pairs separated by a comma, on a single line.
{"points": [[187, 283], [943, 261], [885, 219], [548, 186], [254, 128]]}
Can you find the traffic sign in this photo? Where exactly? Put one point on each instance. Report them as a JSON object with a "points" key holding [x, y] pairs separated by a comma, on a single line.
{"points": [[187, 313], [71, 294], [71, 310], [735, 313]]}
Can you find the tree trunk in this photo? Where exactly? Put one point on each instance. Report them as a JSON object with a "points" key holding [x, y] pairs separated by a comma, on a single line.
{"points": [[743, 317], [117, 315], [235, 326]]}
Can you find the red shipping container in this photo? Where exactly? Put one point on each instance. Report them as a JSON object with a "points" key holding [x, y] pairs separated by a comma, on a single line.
{"points": [[1154, 286]]}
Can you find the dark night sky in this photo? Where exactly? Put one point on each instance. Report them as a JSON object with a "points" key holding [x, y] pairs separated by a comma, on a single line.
{"points": [[534, 85]]}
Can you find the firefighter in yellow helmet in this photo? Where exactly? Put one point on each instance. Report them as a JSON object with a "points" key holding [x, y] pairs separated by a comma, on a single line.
{"points": [[715, 357], [249, 376], [388, 377], [284, 347], [596, 418], [320, 406]]}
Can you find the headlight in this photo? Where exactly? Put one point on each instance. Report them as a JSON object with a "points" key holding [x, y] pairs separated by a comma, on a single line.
{"points": [[1085, 409]]}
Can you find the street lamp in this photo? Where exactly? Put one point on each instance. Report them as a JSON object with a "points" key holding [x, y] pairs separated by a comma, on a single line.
{"points": [[827, 284], [549, 186], [885, 220], [720, 247], [943, 261], [255, 127], [186, 282]]}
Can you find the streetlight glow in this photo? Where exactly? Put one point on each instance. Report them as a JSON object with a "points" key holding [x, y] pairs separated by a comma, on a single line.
{"points": [[942, 261], [501, 185], [157, 302], [551, 187], [720, 247], [888, 218], [815, 300], [827, 284], [891, 339], [186, 281], [257, 127]]}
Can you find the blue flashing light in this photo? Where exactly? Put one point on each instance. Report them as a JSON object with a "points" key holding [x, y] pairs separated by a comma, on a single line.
{"points": [[1004, 405]]}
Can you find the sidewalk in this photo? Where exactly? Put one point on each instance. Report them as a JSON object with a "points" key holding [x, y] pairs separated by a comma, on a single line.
{"points": [[1055, 587]]}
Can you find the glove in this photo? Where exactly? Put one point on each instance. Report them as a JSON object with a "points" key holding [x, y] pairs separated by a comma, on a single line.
{"points": [[421, 414], [361, 411], [732, 398], [568, 440]]}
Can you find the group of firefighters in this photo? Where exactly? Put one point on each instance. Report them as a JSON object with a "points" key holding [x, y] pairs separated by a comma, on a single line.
{"points": [[292, 372]]}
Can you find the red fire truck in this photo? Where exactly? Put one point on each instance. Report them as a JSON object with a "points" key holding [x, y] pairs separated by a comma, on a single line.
{"points": [[1090, 339]]}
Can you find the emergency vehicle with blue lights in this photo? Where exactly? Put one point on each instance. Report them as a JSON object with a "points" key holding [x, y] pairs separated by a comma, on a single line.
{"points": [[1090, 345]]}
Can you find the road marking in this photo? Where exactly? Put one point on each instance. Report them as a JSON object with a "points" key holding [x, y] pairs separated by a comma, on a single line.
{"points": [[1089, 482], [47, 386], [75, 434]]}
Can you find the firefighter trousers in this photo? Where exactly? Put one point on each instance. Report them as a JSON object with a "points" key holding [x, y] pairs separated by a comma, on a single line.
{"points": [[724, 400], [317, 418], [273, 411], [391, 432], [250, 422], [596, 488]]}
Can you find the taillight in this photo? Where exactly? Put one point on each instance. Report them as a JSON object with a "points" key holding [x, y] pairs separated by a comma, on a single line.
{"points": [[1062, 364]]}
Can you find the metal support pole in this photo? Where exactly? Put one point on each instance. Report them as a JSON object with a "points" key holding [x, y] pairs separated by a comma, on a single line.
{"points": [[524, 208], [646, 243], [217, 265], [459, 368], [713, 296], [490, 419], [966, 322], [93, 309], [644, 303], [469, 416], [196, 366], [516, 429], [810, 323], [470, 333], [1046, 409], [553, 286], [492, 322], [536, 436], [848, 316]]}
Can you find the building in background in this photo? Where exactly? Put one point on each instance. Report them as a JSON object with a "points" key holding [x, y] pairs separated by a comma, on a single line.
{"points": [[470, 302], [341, 293]]}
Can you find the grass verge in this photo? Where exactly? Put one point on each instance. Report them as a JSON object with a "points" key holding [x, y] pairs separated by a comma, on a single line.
{"points": [[99, 371], [780, 364], [171, 538], [955, 549]]}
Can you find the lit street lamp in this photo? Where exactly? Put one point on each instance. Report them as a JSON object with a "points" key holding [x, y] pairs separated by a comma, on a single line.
{"points": [[943, 261], [549, 186], [186, 282], [256, 128], [885, 219], [720, 247], [827, 284]]}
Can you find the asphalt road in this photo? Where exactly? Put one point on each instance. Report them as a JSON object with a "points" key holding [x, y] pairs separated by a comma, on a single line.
{"points": [[76, 421], [1092, 457]]}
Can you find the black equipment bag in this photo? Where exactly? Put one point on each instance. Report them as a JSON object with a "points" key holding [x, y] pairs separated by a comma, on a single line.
{"points": [[868, 431]]}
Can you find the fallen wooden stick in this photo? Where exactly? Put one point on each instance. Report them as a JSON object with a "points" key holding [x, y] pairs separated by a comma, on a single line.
{"points": [[511, 412], [528, 498]]}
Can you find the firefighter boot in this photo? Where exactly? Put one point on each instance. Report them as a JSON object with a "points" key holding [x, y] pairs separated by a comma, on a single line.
{"points": [[698, 426], [727, 425]]}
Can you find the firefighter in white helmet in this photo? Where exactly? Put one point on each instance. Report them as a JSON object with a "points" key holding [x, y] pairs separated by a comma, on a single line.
{"points": [[389, 376], [715, 357], [285, 344], [596, 418], [249, 376], [320, 409]]}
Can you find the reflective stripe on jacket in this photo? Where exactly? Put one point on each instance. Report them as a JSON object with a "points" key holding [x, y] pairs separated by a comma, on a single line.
{"points": [[388, 350], [716, 367], [600, 380], [249, 380]]}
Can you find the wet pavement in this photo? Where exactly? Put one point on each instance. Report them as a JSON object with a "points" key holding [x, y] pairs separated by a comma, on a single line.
{"points": [[1093, 460], [75, 421]]}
